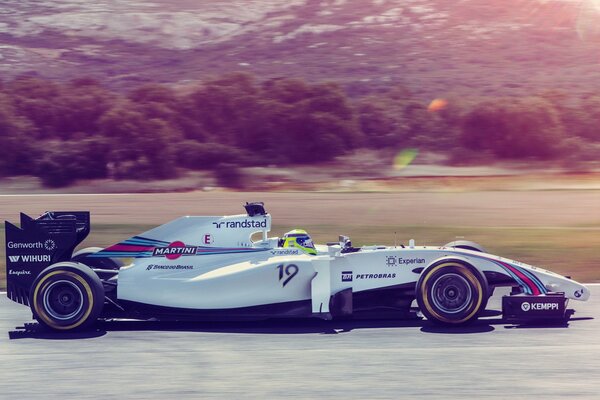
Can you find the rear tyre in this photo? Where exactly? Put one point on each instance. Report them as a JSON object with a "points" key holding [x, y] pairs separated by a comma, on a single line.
{"points": [[67, 296], [452, 293]]}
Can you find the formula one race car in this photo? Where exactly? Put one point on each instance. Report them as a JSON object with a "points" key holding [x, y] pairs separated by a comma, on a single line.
{"points": [[209, 268]]}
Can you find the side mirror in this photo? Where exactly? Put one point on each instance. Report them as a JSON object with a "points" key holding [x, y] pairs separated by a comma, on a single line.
{"points": [[344, 241]]}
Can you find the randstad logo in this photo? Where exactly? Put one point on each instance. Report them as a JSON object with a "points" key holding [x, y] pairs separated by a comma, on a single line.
{"points": [[247, 223]]}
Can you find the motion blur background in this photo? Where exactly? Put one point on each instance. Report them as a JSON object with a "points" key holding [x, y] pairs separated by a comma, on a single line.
{"points": [[430, 119]]}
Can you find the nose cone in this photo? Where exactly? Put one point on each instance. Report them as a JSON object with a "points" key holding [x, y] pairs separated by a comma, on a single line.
{"points": [[571, 289], [583, 293]]}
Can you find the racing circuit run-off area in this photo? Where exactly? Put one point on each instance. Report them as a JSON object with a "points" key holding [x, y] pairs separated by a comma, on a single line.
{"points": [[304, 358]]}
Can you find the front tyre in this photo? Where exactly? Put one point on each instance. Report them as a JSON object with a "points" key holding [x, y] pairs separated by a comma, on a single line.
{"points": [[452, 293], [467, 245], [67, 296]]}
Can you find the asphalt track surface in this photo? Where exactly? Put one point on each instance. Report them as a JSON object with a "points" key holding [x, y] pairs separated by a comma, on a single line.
{"points": [[303, 359]]}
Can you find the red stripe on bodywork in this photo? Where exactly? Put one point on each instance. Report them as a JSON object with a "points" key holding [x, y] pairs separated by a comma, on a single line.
{"points": [[127, 247], [534, 289]]}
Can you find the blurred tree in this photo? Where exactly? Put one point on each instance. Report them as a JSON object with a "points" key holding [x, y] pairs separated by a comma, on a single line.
{"points": [[81, 130], [35, 99], [381, 126], [287, 90], [284, 120], [514, 128], [81, 104], [222, 106], [18, 150], [583, 120], [319, 136], [140, 148], [394, 120], [62, 163], [163, 103], [59, 111], [303, 123], [230, 176], [437, 130]]}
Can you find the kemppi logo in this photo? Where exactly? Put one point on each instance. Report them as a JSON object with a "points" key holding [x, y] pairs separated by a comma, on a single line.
{"points": [[538, 306]]}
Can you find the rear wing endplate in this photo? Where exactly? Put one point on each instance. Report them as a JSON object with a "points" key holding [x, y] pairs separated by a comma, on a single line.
{"points": [[38, 243]]}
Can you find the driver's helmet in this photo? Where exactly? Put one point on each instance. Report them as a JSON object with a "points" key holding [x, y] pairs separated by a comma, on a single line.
{"points": [[299, 238]]}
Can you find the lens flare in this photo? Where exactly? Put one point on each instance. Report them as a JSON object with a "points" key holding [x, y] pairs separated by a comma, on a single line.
{"points": [[588, 21], [405, 158], [437, 105]]}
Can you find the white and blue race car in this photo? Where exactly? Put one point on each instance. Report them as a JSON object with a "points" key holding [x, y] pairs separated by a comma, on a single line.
{"points": [[215, 268]]}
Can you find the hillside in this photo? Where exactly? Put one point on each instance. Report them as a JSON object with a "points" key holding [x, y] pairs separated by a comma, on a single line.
{"points": [[474, 47]]}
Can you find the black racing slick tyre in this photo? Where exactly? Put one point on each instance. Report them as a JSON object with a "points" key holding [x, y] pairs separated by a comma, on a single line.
{"points": [[452, 292], [67, 296], [467, 245]]}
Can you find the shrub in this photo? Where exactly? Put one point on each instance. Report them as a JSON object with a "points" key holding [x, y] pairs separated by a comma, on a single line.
{"points": [[514, 128], [63, 163], [230, 176]]}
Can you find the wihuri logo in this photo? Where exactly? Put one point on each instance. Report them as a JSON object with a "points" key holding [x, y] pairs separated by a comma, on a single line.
{"points": [[175, 250], [30, 258]]}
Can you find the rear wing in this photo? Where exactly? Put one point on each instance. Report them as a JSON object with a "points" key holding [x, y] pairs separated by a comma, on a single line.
{"points": [[38, 243]]}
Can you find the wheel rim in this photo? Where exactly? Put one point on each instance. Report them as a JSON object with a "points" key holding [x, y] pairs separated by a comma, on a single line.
{"points": [[63, 300], [451, 293]]}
